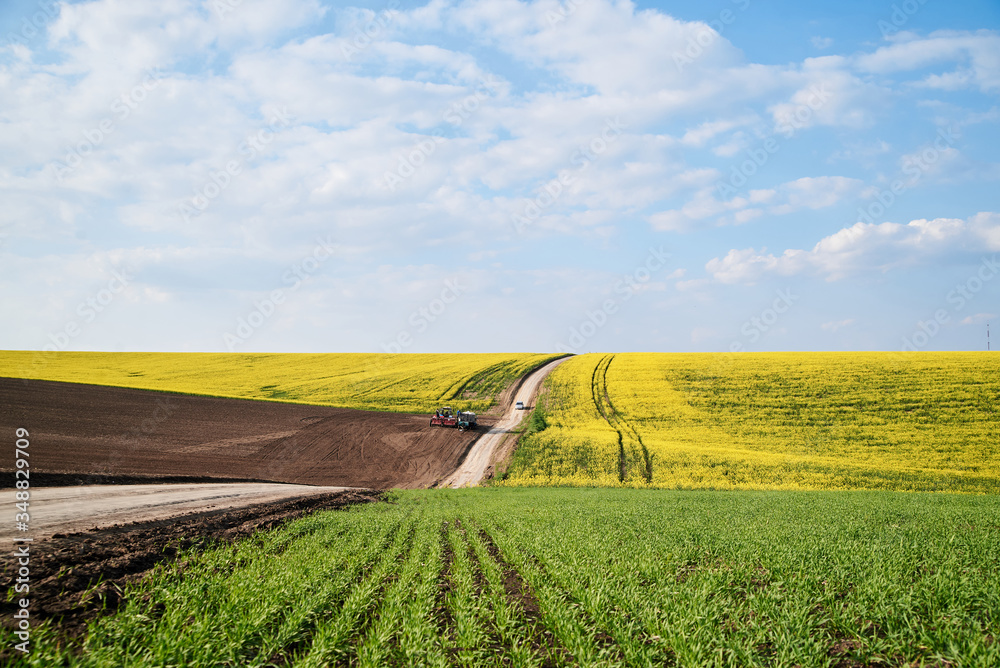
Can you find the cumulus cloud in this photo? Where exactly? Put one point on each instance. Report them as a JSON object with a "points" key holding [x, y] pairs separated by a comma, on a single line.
{"points": [[864, 248], [827, 92], [806, 193], [598, 44]]}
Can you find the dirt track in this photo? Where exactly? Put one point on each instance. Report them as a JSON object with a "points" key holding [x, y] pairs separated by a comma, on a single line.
{"points": [[66, 568], [87, 434], [69, 509], [481, 456]]}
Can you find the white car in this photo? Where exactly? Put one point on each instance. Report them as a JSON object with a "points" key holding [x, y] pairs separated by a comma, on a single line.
{"points": [[519, 406]]}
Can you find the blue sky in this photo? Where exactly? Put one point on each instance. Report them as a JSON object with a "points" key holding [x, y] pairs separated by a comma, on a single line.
{"points": [[494, 175]]}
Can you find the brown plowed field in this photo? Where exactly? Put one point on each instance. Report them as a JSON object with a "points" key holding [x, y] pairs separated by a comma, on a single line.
{"points": [[89, 434]]}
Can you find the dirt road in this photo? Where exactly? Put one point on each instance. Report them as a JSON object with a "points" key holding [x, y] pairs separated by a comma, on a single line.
{"points": [[473, 468], [82, 575], [72, 509]]}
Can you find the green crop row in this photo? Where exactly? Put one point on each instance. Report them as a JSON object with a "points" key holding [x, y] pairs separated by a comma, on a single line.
{"points": [[569, 576]]}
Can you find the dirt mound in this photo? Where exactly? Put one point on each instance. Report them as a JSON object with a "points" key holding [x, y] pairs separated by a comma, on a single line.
{"points": [[66, 568], [88, 434]]}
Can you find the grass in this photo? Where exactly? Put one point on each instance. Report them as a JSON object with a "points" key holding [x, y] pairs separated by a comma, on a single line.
{"points": [[911, 422], [399, 383], [570, 576], [536, 422]]}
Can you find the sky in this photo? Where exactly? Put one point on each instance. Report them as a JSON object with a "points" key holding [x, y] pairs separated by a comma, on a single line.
{"points": [[499, 176]]}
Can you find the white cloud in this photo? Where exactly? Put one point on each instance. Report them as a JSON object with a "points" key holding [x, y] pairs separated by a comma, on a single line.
{"points": [[258, 21], [610, 47], [864, 248], [931, 163], [834, 325], [975, 55], [801, 194], [700, 135], [815, 193], [980, 318], [746, 266], [828, 93], [822, 43]]}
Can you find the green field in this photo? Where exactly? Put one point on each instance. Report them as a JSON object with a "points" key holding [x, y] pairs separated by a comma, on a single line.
{"points": [[592, 577], [414, 383]]}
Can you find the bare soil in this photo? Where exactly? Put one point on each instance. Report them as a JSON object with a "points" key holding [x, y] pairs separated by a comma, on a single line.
{"points": [[89, 434]]}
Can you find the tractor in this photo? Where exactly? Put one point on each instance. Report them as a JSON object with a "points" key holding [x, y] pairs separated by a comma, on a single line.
{"points": [[444, 417], [467, 420]]}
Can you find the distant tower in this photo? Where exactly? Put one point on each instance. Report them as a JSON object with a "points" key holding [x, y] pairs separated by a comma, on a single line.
{"points": [[987, 337]]}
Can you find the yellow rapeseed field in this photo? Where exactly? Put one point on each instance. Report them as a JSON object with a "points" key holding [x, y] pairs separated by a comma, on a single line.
{"points": [[900, 421], [401, 383]]}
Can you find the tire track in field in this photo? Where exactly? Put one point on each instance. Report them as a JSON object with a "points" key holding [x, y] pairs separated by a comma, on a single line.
{"points": [[646, 458], [603, 641], [602, 400], [492, 643], [595, 391], [445, 620], [521, 596], [500, 654]]}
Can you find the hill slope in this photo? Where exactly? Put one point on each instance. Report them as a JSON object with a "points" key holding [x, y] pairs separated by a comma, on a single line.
{"points": [[416, 383], [922, 421]]}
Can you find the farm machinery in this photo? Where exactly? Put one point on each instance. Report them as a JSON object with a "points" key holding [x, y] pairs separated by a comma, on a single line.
{"points": [[466, 420], [444, 417]]}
